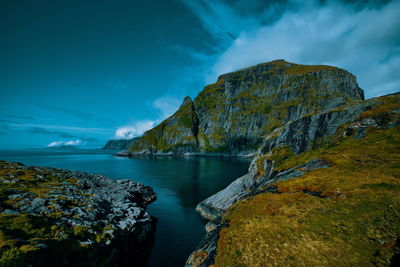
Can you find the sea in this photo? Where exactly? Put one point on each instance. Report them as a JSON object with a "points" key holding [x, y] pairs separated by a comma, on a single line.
{"points": [[180, 184]]}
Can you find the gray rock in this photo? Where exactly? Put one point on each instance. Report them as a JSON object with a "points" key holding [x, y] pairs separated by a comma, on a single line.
{"points": [[234, 114], [300, 135], [10, 212], [109, 208], [119, 144]]}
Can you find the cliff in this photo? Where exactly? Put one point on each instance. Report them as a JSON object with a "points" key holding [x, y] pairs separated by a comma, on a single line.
{"points": [[322, 190], [119, 144], [53, 217], [234, 114]]}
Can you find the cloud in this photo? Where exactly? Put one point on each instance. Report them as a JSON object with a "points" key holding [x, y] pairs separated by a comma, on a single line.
{"points": [[62, 127], [76, 113], [38, 130], [16, 116], [135, 129], [362, 38], [167, 105], [76, 142]]}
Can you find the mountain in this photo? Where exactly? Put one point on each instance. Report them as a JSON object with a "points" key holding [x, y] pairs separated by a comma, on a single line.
{"points": [[234, 114], [322, 190], [119, 144]]}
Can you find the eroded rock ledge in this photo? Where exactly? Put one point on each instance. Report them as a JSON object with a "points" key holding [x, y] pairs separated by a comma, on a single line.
{"points": [[62, 217]]}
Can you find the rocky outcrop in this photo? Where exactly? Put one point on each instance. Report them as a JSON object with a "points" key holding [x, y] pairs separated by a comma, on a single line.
{"points": [[175, 135], [300, 136], [119, 144], [74, 217], [304, 134], [234, 114]]}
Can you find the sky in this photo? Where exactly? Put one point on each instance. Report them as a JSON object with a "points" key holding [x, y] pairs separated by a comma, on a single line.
{"points": [[81, 72]]}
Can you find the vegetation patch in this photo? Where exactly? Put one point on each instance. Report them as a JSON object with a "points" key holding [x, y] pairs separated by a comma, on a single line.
{"points": [[356, 223]]}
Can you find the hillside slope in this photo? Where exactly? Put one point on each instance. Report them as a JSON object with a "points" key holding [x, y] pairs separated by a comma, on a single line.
{"points": [[234, 114], [119, 144], [323, 190]]}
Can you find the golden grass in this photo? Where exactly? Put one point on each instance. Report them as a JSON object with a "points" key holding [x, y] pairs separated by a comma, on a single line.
{"points": [[354, 222]]}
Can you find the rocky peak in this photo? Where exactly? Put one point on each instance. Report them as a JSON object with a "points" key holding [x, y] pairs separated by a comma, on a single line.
{"points": [[234, 114], [186, 100]]}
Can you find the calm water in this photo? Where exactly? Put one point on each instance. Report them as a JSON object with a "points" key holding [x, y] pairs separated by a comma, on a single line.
{"points": [[180, 185]]}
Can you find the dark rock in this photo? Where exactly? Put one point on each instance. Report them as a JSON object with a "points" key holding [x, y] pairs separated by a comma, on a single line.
{"points": [[301, 135], [205, 252], [112, 210], [119, 144], [233, 115]]}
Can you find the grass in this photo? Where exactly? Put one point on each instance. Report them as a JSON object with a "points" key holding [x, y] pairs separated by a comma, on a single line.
{"points": [[352, 220]]}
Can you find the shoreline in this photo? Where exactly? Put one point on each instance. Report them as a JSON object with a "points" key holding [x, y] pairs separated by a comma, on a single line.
{"points": [[128, 154]]}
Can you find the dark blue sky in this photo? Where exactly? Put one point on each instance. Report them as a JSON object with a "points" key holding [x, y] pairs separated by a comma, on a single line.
{"points": [[84, 71]]}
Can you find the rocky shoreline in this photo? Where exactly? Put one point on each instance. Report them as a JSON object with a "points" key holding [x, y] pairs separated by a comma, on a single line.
{"points": [[145, 154], [64, 218], [302, 135]]}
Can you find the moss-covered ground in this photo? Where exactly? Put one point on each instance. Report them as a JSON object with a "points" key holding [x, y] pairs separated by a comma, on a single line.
{"points": [[344, 215], [34, 239]]}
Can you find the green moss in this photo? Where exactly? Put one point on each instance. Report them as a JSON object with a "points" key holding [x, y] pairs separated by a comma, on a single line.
{"points": [[26, 239], [304, 69]]}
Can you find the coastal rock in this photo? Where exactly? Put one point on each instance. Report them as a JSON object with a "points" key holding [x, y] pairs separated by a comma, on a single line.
{"points": [[119, 144], [103, 221], [300, 135], [234, 114], [309, 133]]}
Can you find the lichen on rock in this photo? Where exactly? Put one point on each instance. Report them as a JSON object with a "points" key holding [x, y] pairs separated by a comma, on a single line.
{"points": [[54, 217]]}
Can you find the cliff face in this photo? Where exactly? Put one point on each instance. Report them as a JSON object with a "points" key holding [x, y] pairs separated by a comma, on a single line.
{"points": [[177, 134], [321, 190], [119, 144], [235, 113]]}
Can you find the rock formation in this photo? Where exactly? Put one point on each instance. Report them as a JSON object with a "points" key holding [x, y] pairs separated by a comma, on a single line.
{"points": [[324, 156], [119, 144], [54, 217], [232, 115]]}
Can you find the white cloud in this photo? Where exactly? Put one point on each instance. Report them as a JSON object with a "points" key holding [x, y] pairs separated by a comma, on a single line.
{"points": [[364, 40], [76, 142], [166, 105], [135, 129]]}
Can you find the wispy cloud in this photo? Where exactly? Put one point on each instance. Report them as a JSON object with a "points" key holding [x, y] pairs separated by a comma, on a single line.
{"points": [[18, 117], [74, 112], [362, 38], [38, 130], [166, 106], [62, 127], [135, 129], [65, 143]]}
